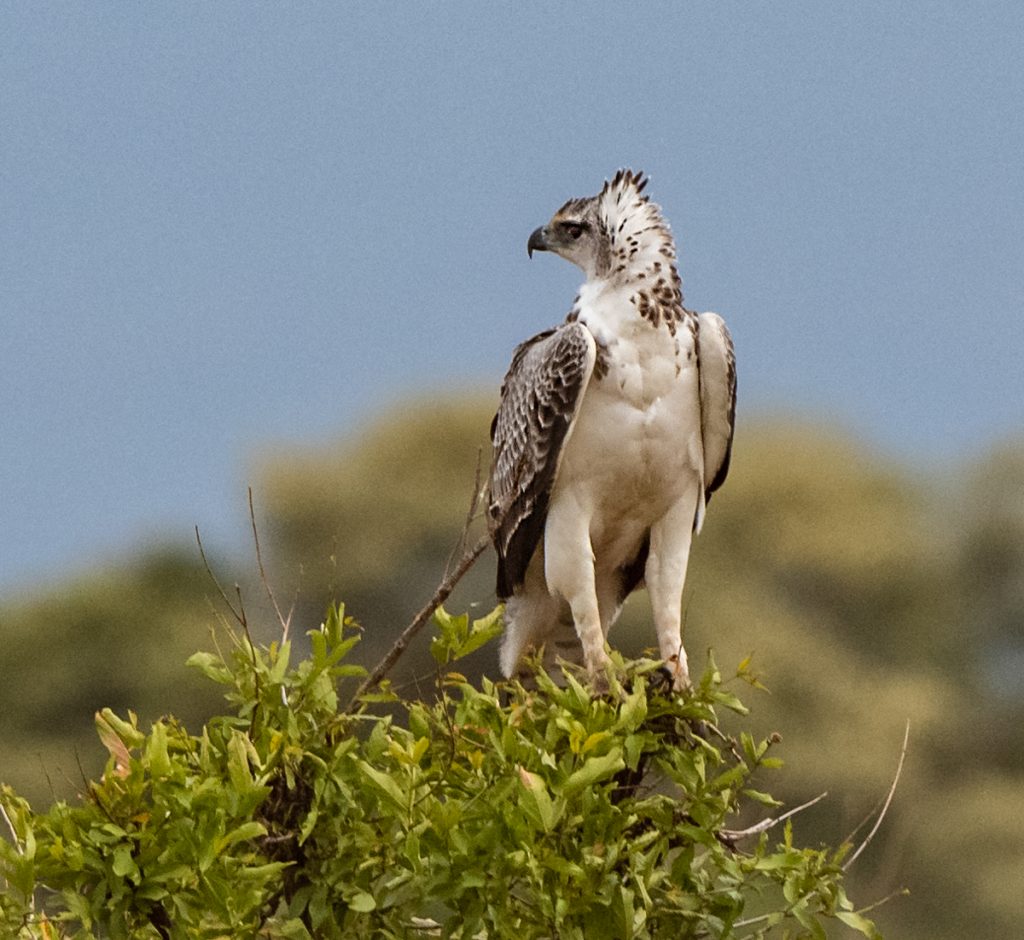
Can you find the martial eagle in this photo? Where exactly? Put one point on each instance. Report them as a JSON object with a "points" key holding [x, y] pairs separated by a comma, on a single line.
{"points": [[613, 431]]}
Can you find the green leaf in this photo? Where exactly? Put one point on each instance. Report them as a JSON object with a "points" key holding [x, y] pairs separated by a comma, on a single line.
{"points": [[858, 922], [158, 759], [362, 902], [238, 763], [537, 801], [593, 770], [779, 860], [482, 631], [383, 783], [126, 731], [280, 663], [242, 833], [765, 799], [730, 701], [808, 921], [262, 872], [212, 667], [123, 864], [457, 638]]}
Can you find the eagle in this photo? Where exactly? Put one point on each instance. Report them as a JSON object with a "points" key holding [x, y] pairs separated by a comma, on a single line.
{"points": [[612, 432]]}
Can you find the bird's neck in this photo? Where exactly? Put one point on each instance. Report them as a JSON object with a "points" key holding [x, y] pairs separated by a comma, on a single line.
{"points": [[647, 288]]}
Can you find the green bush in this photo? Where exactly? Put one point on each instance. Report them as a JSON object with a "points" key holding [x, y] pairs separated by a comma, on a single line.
{"points": [[494, 811]]}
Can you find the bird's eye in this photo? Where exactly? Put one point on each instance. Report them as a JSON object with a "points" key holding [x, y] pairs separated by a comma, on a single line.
{"points": [[574, 230]]}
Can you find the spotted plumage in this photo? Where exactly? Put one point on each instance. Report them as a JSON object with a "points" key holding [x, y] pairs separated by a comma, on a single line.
{"points": [[613, 431]]}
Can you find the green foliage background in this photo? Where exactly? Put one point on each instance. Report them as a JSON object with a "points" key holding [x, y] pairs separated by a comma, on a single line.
{"points": [[492, 811], [869, 593]]}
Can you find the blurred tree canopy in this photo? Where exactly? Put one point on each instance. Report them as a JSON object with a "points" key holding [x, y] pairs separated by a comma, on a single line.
{"points": [[118, 637], [868, 592]]}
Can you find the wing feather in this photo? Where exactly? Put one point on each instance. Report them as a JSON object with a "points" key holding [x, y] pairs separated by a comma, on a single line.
{"points": [[540, 398], [717, 359]]}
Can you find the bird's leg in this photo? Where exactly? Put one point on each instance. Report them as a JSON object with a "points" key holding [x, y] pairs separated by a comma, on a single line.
{"points": [[665, 574], [562, 646], [569, 570]]}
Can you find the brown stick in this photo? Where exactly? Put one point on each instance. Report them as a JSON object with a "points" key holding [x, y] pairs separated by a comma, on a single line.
{"points": [[444, 589]]}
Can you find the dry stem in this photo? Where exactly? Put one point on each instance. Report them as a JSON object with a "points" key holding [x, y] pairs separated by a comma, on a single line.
{"points": [[731, 836], [239, 614], [444, 589], [284, 621], [885, 806]]}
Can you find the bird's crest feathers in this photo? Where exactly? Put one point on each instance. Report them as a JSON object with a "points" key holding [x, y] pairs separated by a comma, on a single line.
{"points": [[634, 224]]}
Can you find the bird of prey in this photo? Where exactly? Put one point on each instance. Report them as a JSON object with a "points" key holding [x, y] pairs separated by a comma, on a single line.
{"points": [[612, 433]]}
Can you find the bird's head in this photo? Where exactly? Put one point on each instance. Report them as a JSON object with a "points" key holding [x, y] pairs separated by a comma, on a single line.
{"points": [[609, 234]]}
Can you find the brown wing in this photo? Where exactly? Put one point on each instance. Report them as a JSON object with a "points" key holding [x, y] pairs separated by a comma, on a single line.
{"points": [[540, 398]]}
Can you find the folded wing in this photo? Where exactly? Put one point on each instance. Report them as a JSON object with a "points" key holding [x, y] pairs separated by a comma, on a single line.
{"points": [[717, 360], [540, 398]]}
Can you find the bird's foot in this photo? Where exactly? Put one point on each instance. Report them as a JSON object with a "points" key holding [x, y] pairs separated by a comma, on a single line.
{"points": [[600, 671], [675, 674]]}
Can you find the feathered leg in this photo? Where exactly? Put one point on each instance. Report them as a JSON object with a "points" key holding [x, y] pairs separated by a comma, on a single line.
{"points": [[530, 617], [569, 570], [665, 574]]}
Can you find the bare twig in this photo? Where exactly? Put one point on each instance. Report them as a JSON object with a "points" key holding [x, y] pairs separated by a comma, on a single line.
{"points": [[239, 615], [895, 894], [868, 817], [732, 836], [878, 822], [471, 512], [761, 918], [444, 589], [209, 571], [281, 619], [725, 739], [885, 806]]}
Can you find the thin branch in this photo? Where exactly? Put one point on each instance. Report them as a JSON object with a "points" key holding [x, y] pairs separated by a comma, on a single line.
{"points": [[892, 789], [788, 913], [239, 616], [895, 894], [281, 619], [732, 836], [209, 571], [725, 739], [885, 806], [471, 512], [440, 596], [751, 920], [868, 816], [449, 581], [248, 635]]}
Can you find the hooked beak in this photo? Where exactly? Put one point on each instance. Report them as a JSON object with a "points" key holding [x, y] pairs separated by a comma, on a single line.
{"points": [[537, 242]]}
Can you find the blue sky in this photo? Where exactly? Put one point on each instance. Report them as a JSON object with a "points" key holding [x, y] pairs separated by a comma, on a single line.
{"points": [[224, 226]]}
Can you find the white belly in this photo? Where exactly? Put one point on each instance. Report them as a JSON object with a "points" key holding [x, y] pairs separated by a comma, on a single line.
{"points": [[635, 448]]}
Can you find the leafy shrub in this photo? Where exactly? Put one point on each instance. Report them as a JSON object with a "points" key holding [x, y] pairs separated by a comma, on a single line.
{"points": [[496, 811]]}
